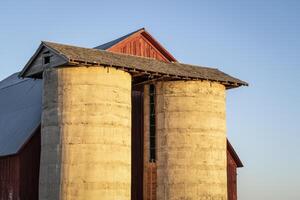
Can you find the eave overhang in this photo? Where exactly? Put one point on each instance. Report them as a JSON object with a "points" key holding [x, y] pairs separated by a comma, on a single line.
{"points": [[143, 69]]}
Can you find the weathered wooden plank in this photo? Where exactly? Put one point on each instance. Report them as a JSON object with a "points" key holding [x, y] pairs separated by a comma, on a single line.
{"points": [[38, 64], [139, 46]]}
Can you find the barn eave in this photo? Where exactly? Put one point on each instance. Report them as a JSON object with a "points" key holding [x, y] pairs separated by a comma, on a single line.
{"points": [[148, 69]]}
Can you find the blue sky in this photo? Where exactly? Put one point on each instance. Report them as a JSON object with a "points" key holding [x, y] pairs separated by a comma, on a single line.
{"points": [[257, 41]]}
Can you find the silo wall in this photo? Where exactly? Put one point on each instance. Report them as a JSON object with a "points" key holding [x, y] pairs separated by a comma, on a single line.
{"points": [[191, 140], [86, 134]]}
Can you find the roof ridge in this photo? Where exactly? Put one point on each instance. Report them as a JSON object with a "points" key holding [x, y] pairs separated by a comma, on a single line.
{"points": [[111, 43]]}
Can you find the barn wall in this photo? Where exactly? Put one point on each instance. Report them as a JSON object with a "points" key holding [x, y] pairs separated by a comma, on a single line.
{"points": [[9, 178], [138, 46], [231, 177], [30, 165], [137, 145], [19, 173]]}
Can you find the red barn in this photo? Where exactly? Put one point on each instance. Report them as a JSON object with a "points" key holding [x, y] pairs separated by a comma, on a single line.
{"points": [[20, 119]]}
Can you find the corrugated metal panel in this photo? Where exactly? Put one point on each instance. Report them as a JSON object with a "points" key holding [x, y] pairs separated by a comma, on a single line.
{"points": [[20, 112]]}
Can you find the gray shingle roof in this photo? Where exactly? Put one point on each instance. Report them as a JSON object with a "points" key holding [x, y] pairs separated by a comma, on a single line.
{"points": [[101, 57], [20, 112]]}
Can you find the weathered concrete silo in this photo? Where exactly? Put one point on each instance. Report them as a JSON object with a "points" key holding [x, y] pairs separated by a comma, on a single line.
{"points": [[191, 140], [86, 134]]}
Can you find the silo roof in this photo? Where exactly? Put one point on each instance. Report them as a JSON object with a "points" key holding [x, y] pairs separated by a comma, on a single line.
{"points": [[74, 55]]}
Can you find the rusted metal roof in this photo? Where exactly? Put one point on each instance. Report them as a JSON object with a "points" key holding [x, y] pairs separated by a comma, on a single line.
{"points": [[20, 112]]}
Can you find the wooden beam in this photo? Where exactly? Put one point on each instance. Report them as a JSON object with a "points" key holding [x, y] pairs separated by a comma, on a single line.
{"points": [[153, 80]]}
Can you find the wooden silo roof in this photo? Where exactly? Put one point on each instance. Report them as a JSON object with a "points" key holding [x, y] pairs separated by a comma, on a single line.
{"points": [[88, 56]]}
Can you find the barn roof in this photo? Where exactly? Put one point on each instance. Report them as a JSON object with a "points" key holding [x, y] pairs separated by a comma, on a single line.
{"points": [[136, 64], [112, 43], [20, 112]]}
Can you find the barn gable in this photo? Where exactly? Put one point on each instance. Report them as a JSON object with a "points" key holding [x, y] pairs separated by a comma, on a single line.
{"points": [[43, 57], [139, 43]]}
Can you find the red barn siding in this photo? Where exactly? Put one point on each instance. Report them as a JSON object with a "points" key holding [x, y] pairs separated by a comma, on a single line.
{"points": [[9, 178], [138, 46], [19, 174], [137, 142], [30, 167], [231, 177]]}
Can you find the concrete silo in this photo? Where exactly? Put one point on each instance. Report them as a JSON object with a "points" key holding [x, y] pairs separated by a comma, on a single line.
{"points": [[190, 139], [86, 134]]}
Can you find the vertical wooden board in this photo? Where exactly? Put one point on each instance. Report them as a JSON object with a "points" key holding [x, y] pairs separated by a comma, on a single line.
{"points": [[9, 182], [231, 177], [30, 165], [139, 46], [19, 174], [37, 65], [137, 145]]}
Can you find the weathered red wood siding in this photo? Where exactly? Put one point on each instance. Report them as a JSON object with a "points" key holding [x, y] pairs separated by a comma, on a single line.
{"points": [[9, 178], [138, 46], [231, 177], [137, 142], [29, 158], [19, 174]]}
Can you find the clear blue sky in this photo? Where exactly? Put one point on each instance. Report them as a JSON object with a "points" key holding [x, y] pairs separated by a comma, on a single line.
{"points": [[257, 41]]}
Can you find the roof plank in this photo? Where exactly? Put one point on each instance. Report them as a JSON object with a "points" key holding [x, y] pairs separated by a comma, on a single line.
{"points": [[100, 57]]}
